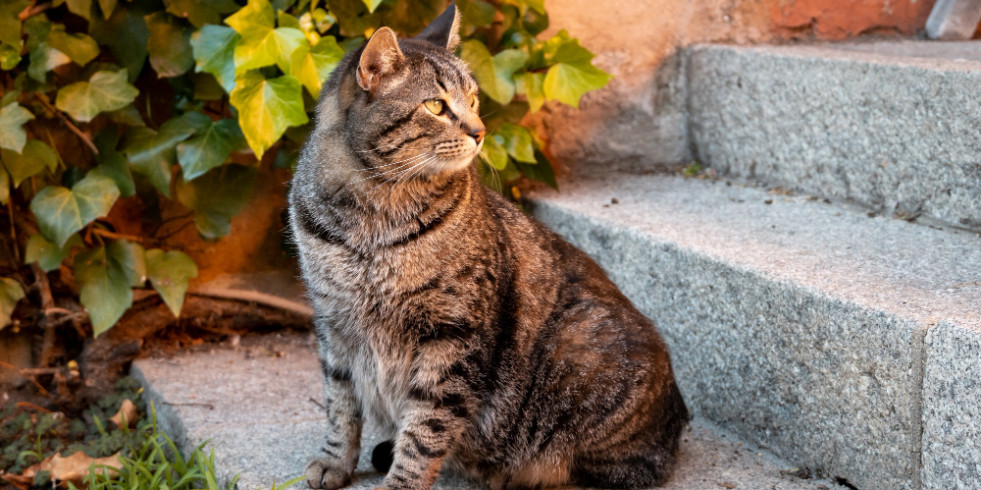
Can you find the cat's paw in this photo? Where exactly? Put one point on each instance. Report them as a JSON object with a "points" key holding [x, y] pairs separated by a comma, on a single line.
{"points": [[325, 473]]}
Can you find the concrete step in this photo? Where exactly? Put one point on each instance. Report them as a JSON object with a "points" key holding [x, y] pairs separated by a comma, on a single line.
{"points": [[892, 125], [257, 404], [840, 341]]}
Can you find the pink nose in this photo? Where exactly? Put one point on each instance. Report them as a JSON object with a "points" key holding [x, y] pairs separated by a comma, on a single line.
{"points": [[478, 134]]}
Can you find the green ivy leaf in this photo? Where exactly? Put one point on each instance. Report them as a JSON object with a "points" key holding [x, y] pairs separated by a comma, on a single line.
{"points": [[79, 47], [518, 142], [9, 56], [477, 13], [169, 45], [261, 44], [495, 74], [494, 153], [214, 52], [81, 8], [44, 58], [36, 157], [267, 107], [106, 292], [130, 257], [9, 22], [209, 148], [201, 12], [152, 153], [12, 119], [47, 254], [169, 273], [217, 196], [10, 293], [532, 86], [61, 212], [105, 91], [312, 66], [126, 34], [542, 171], [573, 74]]}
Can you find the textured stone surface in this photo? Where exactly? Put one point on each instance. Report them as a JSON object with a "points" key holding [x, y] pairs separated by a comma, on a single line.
{"points": [[253, 404], [952, 408], [897, 131], [795, 323]]}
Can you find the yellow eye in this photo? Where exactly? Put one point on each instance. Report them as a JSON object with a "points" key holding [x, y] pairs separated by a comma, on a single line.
{"points": [[435, 106]]}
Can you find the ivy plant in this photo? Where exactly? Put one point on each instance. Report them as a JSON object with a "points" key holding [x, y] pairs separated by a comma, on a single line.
{"points": [[178, 102]]}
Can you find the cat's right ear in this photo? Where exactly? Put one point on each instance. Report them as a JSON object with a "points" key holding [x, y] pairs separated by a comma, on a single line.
{"points": [[381, 57]]}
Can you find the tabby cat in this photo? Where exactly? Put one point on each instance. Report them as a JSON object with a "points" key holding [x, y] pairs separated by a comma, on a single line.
{"points": [[477, 338]]}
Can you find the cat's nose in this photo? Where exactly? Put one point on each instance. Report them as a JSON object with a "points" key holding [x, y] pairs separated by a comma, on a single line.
{"points": [[478, 134]]}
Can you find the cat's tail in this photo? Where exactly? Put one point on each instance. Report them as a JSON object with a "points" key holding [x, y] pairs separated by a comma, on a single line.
{"points": [[382, 456]]}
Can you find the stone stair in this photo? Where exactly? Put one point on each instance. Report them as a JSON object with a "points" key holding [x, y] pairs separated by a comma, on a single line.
{"points": [[801, 313], [813, 331], [256, 405]]}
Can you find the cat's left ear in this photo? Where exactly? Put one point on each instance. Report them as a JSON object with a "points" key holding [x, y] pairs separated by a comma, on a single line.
{"points": [[445, 30]]}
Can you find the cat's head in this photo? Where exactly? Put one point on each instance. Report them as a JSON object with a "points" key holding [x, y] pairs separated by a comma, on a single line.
{"points": [[413, 107]]}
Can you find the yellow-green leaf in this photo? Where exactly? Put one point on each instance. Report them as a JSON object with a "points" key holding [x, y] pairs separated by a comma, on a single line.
{"points": [[532, 86], [495, 74], [494, 153], [312, 66], [12, 119], [573, 74], [47, 254], [267, 107], [79, 47], [10, 293], [262, 44], [35, 157], [105, 91], [372, 4], [61, 212], [517, 141], [169, 273]]}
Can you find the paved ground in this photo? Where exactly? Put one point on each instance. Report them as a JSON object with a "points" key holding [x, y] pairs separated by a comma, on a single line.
{"points": [[257, 404]]}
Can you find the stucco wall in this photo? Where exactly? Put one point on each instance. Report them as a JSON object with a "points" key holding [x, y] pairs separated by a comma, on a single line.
{"points": [[638, 120]]}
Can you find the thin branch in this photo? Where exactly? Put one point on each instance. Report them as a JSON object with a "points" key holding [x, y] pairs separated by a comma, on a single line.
{"points": [[47, 302], [78, 132], [32, 10], [175, 231], [116, 236], [13, 228], [28, 377]]}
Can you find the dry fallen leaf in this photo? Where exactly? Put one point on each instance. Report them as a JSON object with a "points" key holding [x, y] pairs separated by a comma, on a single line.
{"points": [[127, 413], [73, 468]]}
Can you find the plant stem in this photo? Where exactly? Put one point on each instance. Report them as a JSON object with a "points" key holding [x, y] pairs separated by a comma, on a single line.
{"points": [[116, 236], [78, 132], [47, 303], [32, 10]]}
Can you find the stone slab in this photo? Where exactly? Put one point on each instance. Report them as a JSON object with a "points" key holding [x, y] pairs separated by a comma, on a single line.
{"points": [[952, 408], [892, 128], [253, 404], [797, 324]]}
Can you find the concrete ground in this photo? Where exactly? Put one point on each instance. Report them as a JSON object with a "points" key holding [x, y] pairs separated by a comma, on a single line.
{"points": [[257, 405]]}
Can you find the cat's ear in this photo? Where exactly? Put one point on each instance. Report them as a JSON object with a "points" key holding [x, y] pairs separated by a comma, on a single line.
{"points": [[445, 30], [381, 57]]}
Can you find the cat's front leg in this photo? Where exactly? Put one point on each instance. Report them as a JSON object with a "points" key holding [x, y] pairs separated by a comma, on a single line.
{"points": [[339, 454], [439, 403]]}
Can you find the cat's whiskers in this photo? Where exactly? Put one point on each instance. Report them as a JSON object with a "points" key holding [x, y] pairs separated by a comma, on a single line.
{"points": [[406, 175], [396, 163]]}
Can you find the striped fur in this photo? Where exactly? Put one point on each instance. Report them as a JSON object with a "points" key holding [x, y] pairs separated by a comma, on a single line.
{"points": [[477, 338]]}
